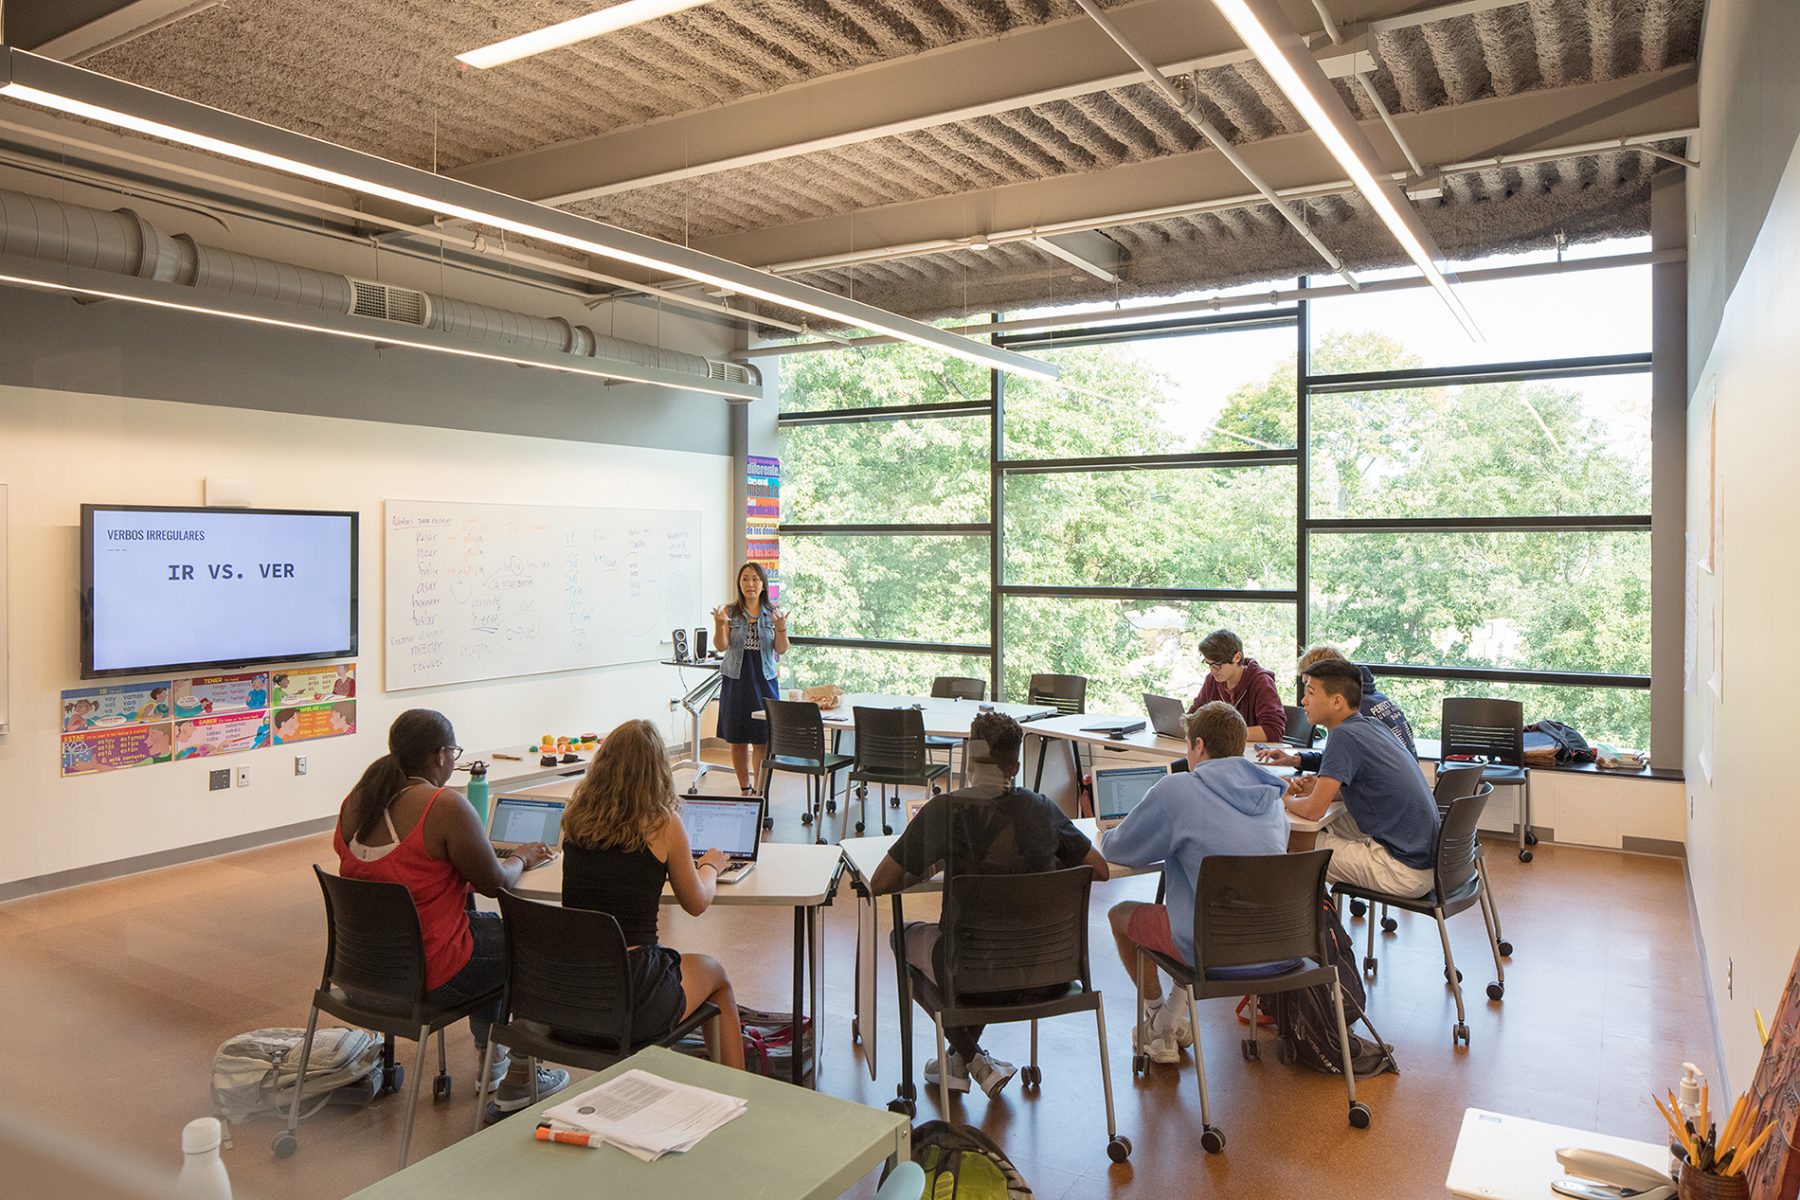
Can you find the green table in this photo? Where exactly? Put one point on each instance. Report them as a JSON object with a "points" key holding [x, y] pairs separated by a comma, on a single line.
{"points": [[757, 1154]]}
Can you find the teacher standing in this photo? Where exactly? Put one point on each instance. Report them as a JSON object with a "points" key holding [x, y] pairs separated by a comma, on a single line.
{"points": [[753, 636]]}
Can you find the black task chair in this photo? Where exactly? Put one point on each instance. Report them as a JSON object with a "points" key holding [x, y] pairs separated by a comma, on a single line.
{"points": [[953, 687], [1012, 935], [890, 752], [1456, 886], [1299, 729], [374, 977], [1252, 909], [1453, 784], [568, 993], [797, 744], [1480, 729], [1067, 694]]}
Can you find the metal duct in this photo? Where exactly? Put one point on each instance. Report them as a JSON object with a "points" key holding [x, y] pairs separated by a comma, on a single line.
{"points": [[126, 244]]}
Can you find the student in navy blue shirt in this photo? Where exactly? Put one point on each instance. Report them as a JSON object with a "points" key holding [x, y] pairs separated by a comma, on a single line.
{"points": [[1387, 834], [1374, 704]]}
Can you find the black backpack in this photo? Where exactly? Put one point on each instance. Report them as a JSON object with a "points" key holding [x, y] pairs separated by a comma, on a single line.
{"points": [[1306, 1022], [1570, 746]]}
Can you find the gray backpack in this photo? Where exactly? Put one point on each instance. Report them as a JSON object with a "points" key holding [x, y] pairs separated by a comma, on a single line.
{"points": [[254, 1073]]}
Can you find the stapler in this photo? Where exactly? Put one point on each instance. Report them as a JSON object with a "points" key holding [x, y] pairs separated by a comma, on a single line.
{"points": [[1596, 1175]]}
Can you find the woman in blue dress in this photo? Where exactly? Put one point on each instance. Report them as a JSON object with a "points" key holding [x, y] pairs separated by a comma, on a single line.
{"points": [[752, 634]]}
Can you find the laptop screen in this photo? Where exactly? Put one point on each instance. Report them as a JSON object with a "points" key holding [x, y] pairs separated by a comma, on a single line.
{"points": [[729, 825], [1117, 791], [517, 820]]}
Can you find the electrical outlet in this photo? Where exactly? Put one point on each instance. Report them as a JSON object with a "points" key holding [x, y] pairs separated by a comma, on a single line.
{"points": [[219, 780], [243, 776], [299, 764]]}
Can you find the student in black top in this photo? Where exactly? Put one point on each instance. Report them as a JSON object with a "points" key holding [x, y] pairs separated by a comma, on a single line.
{"points": [[622, 837], [990, 827]]}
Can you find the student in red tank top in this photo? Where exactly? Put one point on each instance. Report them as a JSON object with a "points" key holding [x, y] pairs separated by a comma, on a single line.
{"points": [[402, 824]]}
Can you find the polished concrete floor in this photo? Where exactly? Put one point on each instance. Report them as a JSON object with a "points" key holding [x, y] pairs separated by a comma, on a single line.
{"points": [[118, 994]]}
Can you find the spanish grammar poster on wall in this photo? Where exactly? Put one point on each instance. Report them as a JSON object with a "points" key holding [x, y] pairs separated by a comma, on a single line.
{"points": [[312, 685], [117, 748], [115, 705], [213, 695], [310, 722], [223, 733]]}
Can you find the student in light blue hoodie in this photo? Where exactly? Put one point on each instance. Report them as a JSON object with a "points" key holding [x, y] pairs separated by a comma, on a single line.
{"points": [[1225, 805]]}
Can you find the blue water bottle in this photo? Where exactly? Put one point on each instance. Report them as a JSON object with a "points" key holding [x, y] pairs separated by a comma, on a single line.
{"points": [[478, 788]]}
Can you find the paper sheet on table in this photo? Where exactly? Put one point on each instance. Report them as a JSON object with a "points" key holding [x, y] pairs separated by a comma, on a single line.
{"points": [[648, 1116]]}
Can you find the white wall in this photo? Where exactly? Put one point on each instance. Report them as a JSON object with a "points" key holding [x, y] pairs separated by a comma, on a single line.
{"points": [[1745, 823], [60, 449]]}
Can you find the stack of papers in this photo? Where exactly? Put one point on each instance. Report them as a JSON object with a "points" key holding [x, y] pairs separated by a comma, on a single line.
{"points": [[646, 1115]]}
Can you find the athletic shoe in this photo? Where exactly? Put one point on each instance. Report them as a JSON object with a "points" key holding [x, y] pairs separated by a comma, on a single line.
{"points": [[993, 1074], [1180, 1016], [1159, 1045], [513, 1096], [959, 1073], [497, 1072]]}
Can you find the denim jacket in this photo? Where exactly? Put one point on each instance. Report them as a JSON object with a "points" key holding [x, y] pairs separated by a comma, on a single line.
{"points": [[734, 649]]}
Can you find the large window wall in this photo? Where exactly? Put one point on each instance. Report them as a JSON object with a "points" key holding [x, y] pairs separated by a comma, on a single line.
{"points": [[1468, 518]]}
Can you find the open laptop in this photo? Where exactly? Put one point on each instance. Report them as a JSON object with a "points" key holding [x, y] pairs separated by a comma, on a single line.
{"points": [[520, 820], [1117, 790], [1165, 715], [725, 823]]}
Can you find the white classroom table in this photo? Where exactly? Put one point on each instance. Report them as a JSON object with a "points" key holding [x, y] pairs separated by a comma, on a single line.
{"points": [[792, 875]]}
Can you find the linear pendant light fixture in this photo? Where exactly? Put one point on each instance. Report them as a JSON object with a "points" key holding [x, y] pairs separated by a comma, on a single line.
{"points": [[63, 88], [1267, 33], [579, 29]]}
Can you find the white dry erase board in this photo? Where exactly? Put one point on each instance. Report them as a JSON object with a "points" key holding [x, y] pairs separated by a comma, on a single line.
{"points": [[489, 591]]}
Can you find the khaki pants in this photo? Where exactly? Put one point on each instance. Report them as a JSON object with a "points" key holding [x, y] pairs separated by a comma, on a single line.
{"points": [[1361, 861]]}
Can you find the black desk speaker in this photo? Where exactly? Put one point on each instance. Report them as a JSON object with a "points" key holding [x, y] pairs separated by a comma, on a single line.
{"points": [[700, 645]]}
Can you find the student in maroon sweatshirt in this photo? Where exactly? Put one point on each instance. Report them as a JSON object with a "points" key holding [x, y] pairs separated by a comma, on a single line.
{"points": [[1243, 683]]}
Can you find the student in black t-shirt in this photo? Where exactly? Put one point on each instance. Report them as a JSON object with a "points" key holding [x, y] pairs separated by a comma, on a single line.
{"points": [[990, 827]]}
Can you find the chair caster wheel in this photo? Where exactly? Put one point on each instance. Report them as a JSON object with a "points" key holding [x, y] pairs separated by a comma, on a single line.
{"points": [[886, 828], [1530, 838], [1505, 949], [904, 1106], [396, 1080], [1359, 1115], [1286, 1051], [859, 827], [831, 806], [1119, 1148], [1358, 908], [1252, 1051], [893, 802], [806, 819], [1370, 966], [440, 1089], [1389, 924], [1524, 856], [1212, 1140], [1496, 991], [768, 824], [1140, 1064], [1459, 1033], [1031, 1077], [284, 1144], [936, 790], [1447, 975]]}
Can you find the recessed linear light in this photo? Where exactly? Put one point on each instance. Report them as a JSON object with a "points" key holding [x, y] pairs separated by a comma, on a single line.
{"points": [[33, 80], [79, 281], [578, 29], [1267, 34]]}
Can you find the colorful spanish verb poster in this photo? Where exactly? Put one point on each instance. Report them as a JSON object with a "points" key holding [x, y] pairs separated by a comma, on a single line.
{"points": [[114, 706], [309, 722], [215, 695], [227, 733], [114, 749], [312, 685]]}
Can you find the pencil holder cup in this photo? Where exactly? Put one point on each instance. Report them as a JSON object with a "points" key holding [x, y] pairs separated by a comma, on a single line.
{"points": [[1699, 1185]]}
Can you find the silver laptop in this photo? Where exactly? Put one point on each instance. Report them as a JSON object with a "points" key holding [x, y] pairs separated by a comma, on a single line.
{"points": [[1118, 790], [520, 820], [1165, 715], [725, 823]]}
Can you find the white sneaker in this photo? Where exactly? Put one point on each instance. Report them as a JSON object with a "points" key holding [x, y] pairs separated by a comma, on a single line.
{"points": [[959, 1072], [1177, 1016], [993, 1074], [1159, 1046]]}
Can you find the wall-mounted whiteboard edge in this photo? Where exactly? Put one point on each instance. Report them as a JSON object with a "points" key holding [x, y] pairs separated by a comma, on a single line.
{"points": [[5, 629], [496, 591]]}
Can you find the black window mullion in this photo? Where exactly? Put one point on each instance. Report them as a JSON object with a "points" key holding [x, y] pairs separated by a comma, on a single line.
{"points": [[1546, 368], [1303, 480]]}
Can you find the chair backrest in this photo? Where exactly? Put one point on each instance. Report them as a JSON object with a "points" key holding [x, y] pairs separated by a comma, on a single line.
{"points": [[567, 968], [1299, 727], [1485, 728], [796, 729], [890, 739], [1453, 783], [1065, 693], [1455, 869], [1259, 908], [958, 687], [375, 951], [1007, 933]]}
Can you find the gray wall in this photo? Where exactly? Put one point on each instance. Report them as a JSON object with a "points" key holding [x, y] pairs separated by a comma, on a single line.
{"points": [[1749, 121]]}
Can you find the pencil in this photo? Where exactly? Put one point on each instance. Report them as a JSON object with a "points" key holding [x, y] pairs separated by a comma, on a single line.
{"points": [[1705, 1092], [1743, 1160], [1732, 1122], [1680, 1134], [1762, 1031]]}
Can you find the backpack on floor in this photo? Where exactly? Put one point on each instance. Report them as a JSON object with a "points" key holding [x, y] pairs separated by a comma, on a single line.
{"points": [[254, 1073], [768, 1043], [962, 1163], [1306, 1022]]}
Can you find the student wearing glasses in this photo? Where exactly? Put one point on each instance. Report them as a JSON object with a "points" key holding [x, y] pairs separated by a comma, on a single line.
{"points": [[1243, 683], [403, 824]]}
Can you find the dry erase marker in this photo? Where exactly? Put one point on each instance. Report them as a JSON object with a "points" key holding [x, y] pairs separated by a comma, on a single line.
{"points": [[568, 1138]]}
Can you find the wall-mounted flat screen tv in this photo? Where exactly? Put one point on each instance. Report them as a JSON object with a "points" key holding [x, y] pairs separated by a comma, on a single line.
{"points": [[166, 589]]}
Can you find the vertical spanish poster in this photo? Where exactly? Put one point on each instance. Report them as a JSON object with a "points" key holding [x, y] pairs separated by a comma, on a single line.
{"points": [[762, 518]]}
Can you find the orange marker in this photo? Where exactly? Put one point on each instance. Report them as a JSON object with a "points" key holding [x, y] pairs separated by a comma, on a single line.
{"points": [[569, 1138]]}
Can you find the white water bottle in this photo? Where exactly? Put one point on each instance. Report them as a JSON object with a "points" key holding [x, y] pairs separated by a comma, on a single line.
{"points": [[202, 1173]]}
